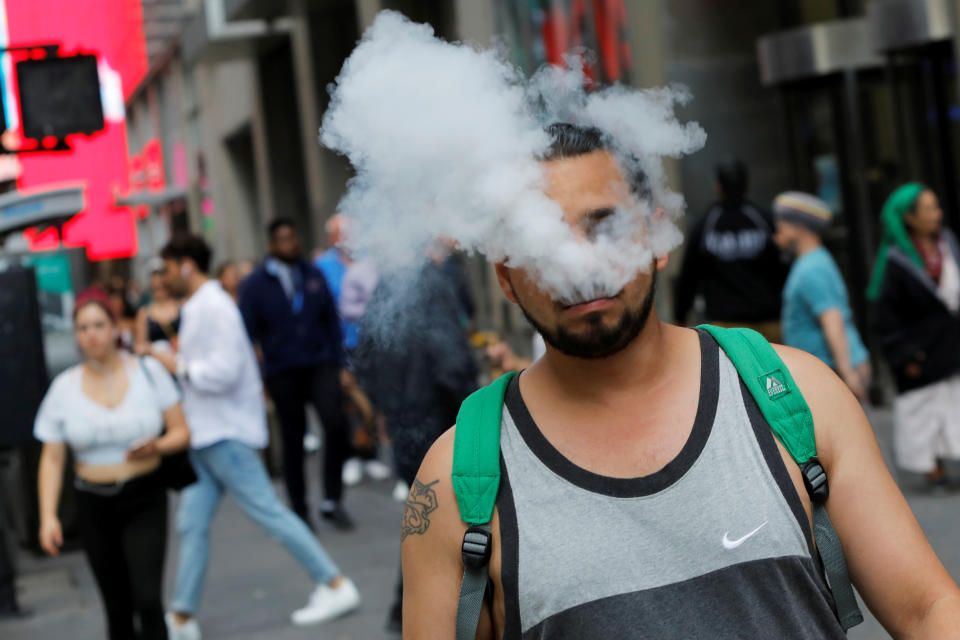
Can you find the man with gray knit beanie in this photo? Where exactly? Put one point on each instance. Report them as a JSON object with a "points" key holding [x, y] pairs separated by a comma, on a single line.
{"points": [[816, 307]]}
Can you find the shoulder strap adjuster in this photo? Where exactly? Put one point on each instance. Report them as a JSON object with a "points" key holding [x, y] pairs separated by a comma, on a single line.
{"points": [[815, 480], [475, 550], [473, 589]]}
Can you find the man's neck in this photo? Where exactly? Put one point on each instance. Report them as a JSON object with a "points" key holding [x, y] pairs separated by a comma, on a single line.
{"points": [[197, 280], [639, 364], [807, 244]]}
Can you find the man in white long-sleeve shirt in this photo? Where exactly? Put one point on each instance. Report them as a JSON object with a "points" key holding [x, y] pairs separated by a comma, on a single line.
{"points": [[223, 404]]}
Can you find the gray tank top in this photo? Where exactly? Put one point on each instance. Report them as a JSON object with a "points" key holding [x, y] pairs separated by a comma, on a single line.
{"points": [[714, 545]]}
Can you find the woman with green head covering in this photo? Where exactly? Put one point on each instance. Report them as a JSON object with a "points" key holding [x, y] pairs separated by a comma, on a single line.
{"points": [[916, 288], [895, 233]]}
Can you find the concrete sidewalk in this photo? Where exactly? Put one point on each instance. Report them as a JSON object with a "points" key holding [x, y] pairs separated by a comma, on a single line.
{"points": [[253, 584]]}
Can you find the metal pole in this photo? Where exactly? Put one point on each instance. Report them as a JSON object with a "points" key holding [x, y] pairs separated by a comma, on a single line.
{"points": [[948, 163], [859, 223], [862, 244], [955, 17]]}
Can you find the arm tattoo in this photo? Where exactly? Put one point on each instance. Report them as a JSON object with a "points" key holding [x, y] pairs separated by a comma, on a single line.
{"points": [[421, 502]]}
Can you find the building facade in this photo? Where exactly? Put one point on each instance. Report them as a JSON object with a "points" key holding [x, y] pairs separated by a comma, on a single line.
{"points": [[236, 93]]}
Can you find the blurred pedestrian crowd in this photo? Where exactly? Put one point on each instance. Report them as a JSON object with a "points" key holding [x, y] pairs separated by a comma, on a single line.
{"points": [[772, 272], [177, 387]]}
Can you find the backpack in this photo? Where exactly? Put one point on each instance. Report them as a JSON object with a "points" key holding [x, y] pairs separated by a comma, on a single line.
{"points": [[476, 469]]}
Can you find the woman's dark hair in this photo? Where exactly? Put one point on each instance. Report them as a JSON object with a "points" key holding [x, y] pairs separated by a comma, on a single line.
{"points": [[187, 245], [912, 209], [127, 310], [223, 268]]}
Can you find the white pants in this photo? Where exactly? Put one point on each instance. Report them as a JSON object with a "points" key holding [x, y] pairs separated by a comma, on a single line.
{"points": [[927, 425]]}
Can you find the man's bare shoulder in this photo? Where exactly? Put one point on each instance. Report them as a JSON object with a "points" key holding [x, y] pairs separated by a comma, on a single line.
{"points": [[838, 417], [431, 511], [817, 381]]}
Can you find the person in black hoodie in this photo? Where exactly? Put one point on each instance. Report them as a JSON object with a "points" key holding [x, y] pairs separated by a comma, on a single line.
{"points": [[415, 361], [916, 288], [732, 260], [292, 318]]}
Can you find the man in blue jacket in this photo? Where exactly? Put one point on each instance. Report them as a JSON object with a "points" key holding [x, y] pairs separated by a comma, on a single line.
{"points": [[292, 317]]}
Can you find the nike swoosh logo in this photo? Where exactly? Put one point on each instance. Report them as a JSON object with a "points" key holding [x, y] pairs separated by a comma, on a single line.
{"points": [[729, 544]]}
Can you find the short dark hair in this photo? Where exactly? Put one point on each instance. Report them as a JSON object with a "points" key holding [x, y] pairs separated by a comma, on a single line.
{"points": [[571, 140], [188, 245], [733, 178], [278, 223]]}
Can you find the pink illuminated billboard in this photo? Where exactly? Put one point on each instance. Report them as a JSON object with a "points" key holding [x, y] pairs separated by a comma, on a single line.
{"points": [[113, 31]]}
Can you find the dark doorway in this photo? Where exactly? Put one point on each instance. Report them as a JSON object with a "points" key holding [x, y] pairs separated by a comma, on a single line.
{"points": [[239, 147], [923, 87]]}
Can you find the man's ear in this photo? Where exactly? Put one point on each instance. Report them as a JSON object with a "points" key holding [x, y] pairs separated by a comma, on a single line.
{"points": [[661, 261], [503, 277]]}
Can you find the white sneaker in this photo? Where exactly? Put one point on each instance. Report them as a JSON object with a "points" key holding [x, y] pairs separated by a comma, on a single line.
{"points": [[189, 630], [401, 491], [352, 472], [377, 470], [311, 442], [327, 604]]}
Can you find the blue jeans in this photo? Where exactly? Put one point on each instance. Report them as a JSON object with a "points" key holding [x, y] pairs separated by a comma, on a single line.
{"points": [[232, 467]]}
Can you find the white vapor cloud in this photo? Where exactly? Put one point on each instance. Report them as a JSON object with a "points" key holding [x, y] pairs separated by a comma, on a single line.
{"points": [[445, 139]]}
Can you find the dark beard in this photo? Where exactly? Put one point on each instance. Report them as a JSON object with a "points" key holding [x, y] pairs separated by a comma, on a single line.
{"points": [[599, 341]]}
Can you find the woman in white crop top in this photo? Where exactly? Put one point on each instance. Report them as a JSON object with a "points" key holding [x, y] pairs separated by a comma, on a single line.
{"points": [[119, 416]]}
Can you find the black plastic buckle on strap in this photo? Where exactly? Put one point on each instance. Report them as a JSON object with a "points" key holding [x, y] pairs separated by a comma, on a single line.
{"points": [[815, 480], [476, 547]]}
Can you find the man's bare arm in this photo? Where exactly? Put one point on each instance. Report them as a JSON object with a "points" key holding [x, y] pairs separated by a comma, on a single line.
{"points": [[432, 534], [891, 563]]}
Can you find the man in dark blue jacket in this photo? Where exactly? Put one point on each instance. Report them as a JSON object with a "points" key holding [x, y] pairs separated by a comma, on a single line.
{"points": [[292, 318]]}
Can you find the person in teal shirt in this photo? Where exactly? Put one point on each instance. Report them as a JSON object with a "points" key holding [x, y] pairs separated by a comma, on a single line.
{"points": [[816, 307]]}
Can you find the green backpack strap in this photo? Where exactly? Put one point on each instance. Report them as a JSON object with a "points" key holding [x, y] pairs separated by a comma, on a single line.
{"points": [[476, 451], [777, 395], [772, 386], [476, 481]]}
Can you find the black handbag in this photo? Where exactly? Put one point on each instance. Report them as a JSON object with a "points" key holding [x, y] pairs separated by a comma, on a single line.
{"points": [[176, 471]]}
